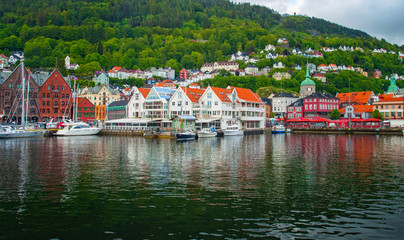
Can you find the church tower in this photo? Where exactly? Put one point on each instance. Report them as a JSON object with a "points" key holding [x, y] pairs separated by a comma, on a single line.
{"points": [[393, 87], [308, 86]]}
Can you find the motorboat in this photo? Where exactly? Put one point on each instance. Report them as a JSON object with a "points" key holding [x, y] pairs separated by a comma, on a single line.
{"points": [[11, 132], [233, 130], [77, 129], [186, 135], [278, 129], [207, 132]]}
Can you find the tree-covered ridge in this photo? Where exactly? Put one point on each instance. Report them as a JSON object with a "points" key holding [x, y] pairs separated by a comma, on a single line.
{"points": [[316, 26]]}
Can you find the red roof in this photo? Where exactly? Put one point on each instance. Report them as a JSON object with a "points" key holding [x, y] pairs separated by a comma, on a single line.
{"points": [[247, 95], [193, 84], [144, 91], [360, 108], [360, 97], [221, 93], [193, 94], [390, 98]]}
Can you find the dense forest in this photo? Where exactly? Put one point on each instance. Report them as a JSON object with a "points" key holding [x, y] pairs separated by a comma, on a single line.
{"points": [[135, 34]]}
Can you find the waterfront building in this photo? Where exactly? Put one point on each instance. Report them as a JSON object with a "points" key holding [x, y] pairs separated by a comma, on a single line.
{"points": [[280, 102], [390, 106], [85, 110], [117, 110], [100, 95], [10, 96], [185, 101], [56, 97], [136, 103], [268, 107], [359, 111], [308, 86], [355, 98], [251, 108], [295, 110], [100, 112], [319, 105], [156, 102]]}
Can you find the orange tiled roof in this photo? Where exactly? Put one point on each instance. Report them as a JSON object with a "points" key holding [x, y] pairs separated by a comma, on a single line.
{"points": [[390, 98], [193, 84], [247, 94], [360, 108], [144, 91], [361, 97], [193, 94], [221, 93]]}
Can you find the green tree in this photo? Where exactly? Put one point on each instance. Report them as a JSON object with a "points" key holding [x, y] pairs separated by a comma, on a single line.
{"points": [[335, 114], [377, 114]]}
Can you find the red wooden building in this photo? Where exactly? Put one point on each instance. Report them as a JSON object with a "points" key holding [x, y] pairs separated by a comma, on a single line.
{"points": [[55, 94], [85, 110], [11, 96]]}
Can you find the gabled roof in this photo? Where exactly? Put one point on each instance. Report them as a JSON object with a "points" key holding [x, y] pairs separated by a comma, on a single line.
{"points": [[67, 82], [194, 94], [285, 94], [297, 103], [390, 98], [144, 91], [221, 93], [118, 103], [321, 95], [360, 108], [246, 94], [360, 97]]}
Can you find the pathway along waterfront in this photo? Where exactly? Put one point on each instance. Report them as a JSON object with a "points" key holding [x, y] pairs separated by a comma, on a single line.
{"points": [[256, 186]]}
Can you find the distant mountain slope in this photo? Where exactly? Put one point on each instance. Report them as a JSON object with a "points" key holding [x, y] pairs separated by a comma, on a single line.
{"points": [[150, 13], [316, 26]]}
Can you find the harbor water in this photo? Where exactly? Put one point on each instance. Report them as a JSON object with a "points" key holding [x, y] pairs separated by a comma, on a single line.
{"points": [[286, 186]]}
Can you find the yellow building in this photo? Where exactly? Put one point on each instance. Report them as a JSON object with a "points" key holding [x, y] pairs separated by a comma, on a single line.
{"points": [[100, 112], [100, 95]]}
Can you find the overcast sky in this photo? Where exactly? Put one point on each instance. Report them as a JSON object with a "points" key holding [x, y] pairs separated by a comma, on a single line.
{"points": [[378, 18]]}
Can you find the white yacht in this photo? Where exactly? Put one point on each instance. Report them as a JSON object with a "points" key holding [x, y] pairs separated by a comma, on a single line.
{"points": [[233, 130], [207, 132], [11, 132], [77, 129]]}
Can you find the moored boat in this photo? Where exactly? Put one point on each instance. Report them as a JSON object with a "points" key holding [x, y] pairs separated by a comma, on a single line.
{"points": [[278, 129], [186, 135], [207, 132], [77, 129], [233, 130], [11, 132]]}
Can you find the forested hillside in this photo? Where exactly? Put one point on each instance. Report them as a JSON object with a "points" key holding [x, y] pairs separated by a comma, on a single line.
{"points": [[170, 33]]}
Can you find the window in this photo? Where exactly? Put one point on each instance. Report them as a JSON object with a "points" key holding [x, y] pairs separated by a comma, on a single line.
{"points": [[173, 104], [49, 87], [216, 103], [43, 103], [48, 104], [47, 95]]}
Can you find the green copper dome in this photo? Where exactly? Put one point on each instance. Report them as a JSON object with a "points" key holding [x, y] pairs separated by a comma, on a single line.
{"points": [[393, 87], [307, 81]]}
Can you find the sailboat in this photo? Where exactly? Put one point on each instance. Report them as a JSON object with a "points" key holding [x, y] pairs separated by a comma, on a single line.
{"points": [[11, 131]]}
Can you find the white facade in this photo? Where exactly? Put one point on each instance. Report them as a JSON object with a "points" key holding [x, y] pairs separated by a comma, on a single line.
{"points": [[136, 104], [280, 103]]}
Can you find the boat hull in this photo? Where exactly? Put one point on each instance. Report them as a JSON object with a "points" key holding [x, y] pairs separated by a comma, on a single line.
{"points": [[186, 136], [233, 133], [207, 135], [22, 134], [79, 132]]}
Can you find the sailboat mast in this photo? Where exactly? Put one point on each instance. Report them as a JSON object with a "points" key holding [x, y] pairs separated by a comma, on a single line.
{"points": [[26, 111], [23, 97]]}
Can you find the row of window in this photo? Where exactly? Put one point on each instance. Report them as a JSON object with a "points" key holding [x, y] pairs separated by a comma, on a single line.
{"points": [[55, 95], [387, 107], [55, 111]]}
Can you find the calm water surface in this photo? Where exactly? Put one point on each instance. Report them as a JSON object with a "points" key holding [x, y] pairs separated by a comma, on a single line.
{"points": [[261, 186]]}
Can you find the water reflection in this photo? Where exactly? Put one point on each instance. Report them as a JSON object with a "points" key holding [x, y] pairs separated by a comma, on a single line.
{"points": [[286, 186]]}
